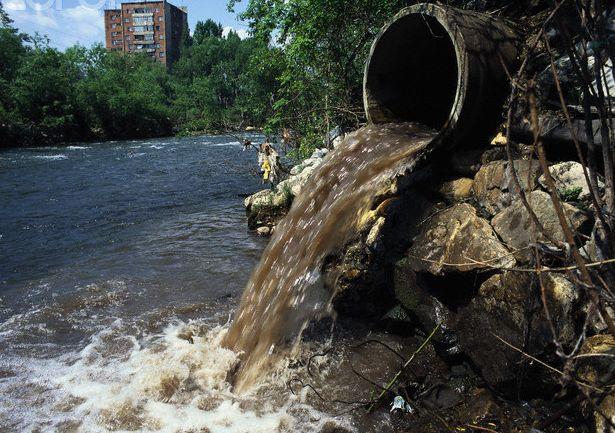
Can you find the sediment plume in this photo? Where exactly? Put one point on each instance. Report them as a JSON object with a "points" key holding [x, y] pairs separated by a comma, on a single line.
{"points": [[285, 290]]}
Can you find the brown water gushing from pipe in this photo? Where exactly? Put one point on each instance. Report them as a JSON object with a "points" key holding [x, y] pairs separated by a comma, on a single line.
{"points": [[282, 294]]}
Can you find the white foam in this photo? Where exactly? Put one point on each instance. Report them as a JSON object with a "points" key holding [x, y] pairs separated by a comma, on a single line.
{"points": [[51, 157], [230, 143], [159, 383], [77, 148]]}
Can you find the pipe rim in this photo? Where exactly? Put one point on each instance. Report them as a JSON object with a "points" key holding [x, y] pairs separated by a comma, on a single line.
{"points": [[458, 42]]}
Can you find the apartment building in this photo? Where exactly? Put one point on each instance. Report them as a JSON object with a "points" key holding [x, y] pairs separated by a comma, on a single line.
{"points": [[151, 27]]}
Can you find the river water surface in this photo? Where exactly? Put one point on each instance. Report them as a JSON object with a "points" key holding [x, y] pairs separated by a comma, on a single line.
{"points": [[122, 263], [114, 258]]}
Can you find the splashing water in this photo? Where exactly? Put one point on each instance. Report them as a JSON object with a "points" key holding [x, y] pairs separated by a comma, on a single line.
{"points": [[282, 294]]}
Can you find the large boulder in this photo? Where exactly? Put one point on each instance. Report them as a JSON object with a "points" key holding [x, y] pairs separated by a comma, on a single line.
{"points": [[514, 224], [267, 207], [360, 278], [508, 308], [597, 362], [569, 180], [494, 186], [605, 410], [457, 240], [596, 365], [417, 298]]}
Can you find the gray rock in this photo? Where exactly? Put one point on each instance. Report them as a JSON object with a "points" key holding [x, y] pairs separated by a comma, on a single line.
{"points": [[568, 176], [426, 309], [267, 207], [297, 169], [599, 369], [375, 232], [312, 161], [607, 409], [509, 306], [457, 240], [397, 314], [294, 184], [263, 231], [514, 225], [494, 186], [320, 153]]}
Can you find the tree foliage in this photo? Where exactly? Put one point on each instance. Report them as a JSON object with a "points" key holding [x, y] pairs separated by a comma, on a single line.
{"points": [[4, 17], [324, 47], [207, 29], [47, 96], [218, 84]]}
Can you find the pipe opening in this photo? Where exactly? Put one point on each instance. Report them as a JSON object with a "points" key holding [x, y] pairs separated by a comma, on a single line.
{"points": [[412, 75]]}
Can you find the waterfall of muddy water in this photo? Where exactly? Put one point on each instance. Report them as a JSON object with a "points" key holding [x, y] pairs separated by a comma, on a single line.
{"points": [[282, 295]]}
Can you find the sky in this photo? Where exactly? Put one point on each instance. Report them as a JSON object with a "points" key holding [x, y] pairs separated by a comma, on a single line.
{"points": [[68, 22]]}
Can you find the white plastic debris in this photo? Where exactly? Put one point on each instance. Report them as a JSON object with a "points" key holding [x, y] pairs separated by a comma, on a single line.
{"points": [[400, 404]]}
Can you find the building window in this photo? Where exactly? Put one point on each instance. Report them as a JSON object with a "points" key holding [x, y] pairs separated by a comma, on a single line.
{"points": [[117, 42], [114, 26], [127, 38], [157, 45], [161, 37], [161, 54], [160, 18], [157, 28], [157, 10], [143, 29], [143, 20]]}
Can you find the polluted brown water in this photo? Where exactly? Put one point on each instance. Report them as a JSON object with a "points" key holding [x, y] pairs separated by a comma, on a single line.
{"points": [[115, 302], [285, 291]]}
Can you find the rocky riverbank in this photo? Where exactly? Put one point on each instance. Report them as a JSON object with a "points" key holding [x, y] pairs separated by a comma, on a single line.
{"points": [[455, 248]]}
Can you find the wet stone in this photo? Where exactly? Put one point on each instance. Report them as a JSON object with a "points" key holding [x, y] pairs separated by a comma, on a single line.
{"points": [[457, 240], [569, 180], [494, 186], [514, 224], [508, 309]]}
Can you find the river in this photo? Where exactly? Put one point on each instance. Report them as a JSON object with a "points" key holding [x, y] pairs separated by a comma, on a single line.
{"points": [[121, 265], [108, 249]]}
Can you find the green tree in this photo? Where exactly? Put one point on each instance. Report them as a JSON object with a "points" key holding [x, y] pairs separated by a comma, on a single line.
{"points": [[207, 29], [217, 85], [324, 46], [186, 39], [125, 96], [4, 17], [44, 95]]}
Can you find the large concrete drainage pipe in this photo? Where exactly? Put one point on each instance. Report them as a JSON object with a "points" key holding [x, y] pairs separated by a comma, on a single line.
{"points": [[443, 67]]}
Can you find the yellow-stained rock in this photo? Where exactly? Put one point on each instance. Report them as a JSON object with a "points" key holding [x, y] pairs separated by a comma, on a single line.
{"points": [[458, 189]]}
